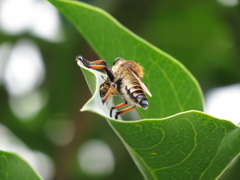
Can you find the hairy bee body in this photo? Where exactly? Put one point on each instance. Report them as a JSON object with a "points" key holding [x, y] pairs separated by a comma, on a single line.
{"points": [[123, 77], [127, 85], [104, 87]]}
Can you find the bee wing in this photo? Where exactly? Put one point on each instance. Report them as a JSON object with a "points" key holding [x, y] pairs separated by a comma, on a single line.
{"points": [[139, 81]]}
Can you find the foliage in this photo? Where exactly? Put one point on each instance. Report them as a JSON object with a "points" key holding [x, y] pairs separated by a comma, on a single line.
{"points": [[12, 166], [158, 146], [173, 139], [191, 144]]}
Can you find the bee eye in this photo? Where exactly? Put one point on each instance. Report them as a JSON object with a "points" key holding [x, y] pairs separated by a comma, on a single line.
{"points": [[116, 60], [79, 58]]}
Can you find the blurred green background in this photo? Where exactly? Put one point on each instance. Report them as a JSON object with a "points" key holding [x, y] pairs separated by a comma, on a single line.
{"points": [[42, 88]]}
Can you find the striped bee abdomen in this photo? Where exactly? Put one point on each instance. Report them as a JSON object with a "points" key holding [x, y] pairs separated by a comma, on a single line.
{"points": [[123, 77], [136, 94]]}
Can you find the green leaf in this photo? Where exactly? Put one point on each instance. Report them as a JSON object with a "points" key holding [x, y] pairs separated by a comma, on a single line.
{"points": [[173, 88], [187, 145], [13, 167], [190, 145]]}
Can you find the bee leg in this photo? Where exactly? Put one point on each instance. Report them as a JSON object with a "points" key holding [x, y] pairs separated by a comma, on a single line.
{"points": [[124, 111], [110, 91], [118, 106], [106, 67], [95, 65], [88, 63], [114, 91]]}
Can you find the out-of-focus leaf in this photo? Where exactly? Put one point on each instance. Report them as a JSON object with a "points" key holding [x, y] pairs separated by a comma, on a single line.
{"points": [[13, 167]]}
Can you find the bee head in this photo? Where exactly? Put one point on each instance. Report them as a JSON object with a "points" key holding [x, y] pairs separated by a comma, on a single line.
{"points": [[79, 58], [118, 58]]}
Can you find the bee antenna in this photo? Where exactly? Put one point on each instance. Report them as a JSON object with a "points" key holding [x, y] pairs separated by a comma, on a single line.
{"points": [[118, 58]]}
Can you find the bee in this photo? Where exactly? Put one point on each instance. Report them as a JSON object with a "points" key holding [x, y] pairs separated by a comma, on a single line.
{"points": [[123, 77], [104, 87]]}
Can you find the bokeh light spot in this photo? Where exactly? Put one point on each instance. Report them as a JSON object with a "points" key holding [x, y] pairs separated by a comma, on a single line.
{"points": [[46, 25], [5, 50], [96, 158], [224, 103], [28, 105], [60, 129], [25, 69], [39, 161], [228, 2], [17, 17]]}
